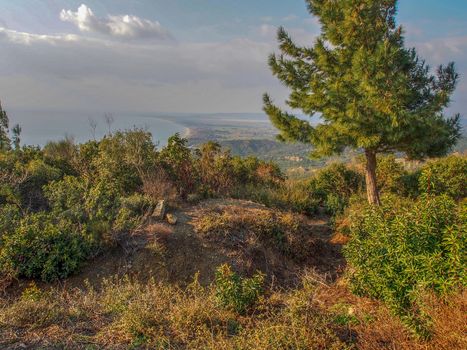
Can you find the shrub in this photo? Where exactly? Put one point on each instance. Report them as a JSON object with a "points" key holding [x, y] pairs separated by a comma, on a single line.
{"points": [[124, 158], [131, 212], [80, 201], [390, 175], [44, 247], [62, 155], [403, 249], [9, 217], [445, 176], [215, 169], [252, 170], [178, 161], [334, 185], [237, 293], [67, 197]]}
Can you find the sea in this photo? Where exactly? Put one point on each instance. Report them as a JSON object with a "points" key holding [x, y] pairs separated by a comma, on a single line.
{"points": [[40, 127]]}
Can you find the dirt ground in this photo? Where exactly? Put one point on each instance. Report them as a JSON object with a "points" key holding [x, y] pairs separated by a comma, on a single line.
{"points": [[175, 253]]}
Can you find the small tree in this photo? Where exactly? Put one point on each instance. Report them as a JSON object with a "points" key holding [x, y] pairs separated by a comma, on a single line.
{"points": [[370, 91], [16, 136], [4, 124]]}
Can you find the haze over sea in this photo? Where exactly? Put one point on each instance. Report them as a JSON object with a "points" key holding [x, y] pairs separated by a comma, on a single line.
{"points": [[39, 127]]}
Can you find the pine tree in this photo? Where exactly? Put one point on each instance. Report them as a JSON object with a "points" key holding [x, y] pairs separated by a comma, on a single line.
{"points": [[4, 124], [16, 136], [371, 93]]}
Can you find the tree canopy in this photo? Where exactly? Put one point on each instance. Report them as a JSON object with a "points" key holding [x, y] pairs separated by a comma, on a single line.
{"points": [[371, 92]]}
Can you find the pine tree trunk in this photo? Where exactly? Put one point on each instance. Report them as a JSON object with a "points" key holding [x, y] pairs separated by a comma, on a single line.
{"points": [[370, 178]]}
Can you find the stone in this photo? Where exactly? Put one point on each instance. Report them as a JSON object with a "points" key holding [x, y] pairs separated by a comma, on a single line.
{"points": [[171, 219], [160, 210]]}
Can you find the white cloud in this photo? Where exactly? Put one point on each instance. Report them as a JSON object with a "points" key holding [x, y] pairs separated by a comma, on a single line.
{"points": [[122, 26], [28, 38], [80, 73]]}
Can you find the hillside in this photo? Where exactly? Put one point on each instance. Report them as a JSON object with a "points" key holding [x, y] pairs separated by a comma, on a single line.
{"points": [[131, 295]]}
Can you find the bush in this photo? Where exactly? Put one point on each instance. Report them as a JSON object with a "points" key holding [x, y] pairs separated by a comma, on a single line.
{"points": [[131, 212], [9, 217], [404, 249], [334, 185], [237, 293], [179, 163], [44, 247], [124, 158], [390, 175], [215, 170], [80, 201], [445, 176]]}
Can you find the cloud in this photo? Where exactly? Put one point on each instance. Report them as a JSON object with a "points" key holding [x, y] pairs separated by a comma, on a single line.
{"points": [[122, 26], [81, 73], [14, 36]]}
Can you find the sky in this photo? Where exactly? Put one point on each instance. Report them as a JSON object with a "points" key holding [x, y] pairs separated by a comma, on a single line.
{"points": [[188, 56]]}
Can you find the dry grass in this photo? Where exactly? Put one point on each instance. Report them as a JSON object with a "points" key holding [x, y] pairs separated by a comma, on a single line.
{"points": [[126, 314], [237, 225], [158, 186]]}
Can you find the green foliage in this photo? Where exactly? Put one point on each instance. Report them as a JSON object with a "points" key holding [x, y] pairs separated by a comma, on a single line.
{"points": [[334, 185], [124, 158], [81, 201], [370, 91], [9, 218], [237, 293], [178, 161], [42, 246], [445, 176], [67, 197], [37, 174], [404, 249], [62, 155], [131, 212], [4, 124]]}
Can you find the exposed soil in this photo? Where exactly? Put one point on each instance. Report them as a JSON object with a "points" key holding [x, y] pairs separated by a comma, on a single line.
{"points": [[176, 253]]}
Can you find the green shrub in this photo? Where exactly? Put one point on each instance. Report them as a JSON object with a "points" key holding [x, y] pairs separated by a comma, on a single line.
{"points": [[123, 159], [131, 212], [81, 201], [44, 247], [404, 249], [445, 176], [179, 163], [334, 185], [237, 293], [390, 175], [9, 218], [67, 197]]}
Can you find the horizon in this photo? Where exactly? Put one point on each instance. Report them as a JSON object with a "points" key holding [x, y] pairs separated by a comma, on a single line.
{"points": [[170, 57]]}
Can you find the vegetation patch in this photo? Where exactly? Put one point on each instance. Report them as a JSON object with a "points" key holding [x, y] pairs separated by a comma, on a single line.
{"points": [[404, 250]]}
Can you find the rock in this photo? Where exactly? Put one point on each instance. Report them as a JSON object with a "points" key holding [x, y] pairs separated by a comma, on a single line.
{"points": [[172, 219], [160, 210]]}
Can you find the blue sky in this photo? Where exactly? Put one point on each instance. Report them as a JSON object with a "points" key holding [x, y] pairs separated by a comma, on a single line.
{"points": [[210, 54]]}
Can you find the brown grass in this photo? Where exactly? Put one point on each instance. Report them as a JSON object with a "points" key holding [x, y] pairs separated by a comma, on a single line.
{"points": [[125, 313], [131, 312]]}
